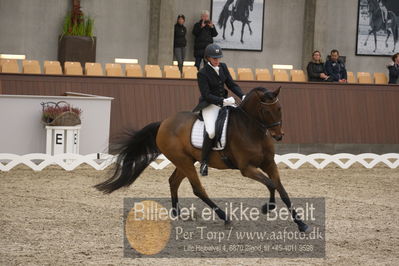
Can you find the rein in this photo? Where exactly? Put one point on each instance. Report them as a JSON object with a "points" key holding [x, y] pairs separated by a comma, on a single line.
{"points": [[259, 123]]}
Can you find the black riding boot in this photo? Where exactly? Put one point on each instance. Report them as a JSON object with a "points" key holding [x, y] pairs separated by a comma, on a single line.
{"points": [[206, 149]]}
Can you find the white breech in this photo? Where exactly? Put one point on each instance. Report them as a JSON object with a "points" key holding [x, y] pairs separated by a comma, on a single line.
{"points": [[210, 114]]}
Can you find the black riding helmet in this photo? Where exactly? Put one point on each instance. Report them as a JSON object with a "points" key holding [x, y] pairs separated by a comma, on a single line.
{"points": [[214, 51]]}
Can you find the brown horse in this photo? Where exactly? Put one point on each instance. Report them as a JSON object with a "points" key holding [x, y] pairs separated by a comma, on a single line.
{"points": [[252, 127]]}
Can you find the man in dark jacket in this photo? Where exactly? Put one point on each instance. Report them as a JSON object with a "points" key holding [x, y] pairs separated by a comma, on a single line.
{"points": [[211, 80], [204, 31], [394, 70], [335, 68]]}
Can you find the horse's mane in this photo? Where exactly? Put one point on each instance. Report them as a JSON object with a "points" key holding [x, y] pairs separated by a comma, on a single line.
{"points": [[269, 94]]}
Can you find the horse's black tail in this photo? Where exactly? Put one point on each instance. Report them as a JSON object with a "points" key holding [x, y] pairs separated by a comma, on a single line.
{"points": [[224, 15], [134, 155]]}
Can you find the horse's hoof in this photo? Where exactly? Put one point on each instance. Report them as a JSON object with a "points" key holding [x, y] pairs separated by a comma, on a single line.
{"points": [[227, 222], [231, 34], [303, 228], [386, 45], [268, 207], [242, 41], [365, 44], [250, 33]]}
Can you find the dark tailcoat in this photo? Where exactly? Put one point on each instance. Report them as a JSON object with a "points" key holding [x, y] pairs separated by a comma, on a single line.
{"points": [[211, 86]]}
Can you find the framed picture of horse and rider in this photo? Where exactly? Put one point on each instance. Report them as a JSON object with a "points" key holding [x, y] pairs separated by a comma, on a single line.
{"points": [[239, 24], [377, 27]]}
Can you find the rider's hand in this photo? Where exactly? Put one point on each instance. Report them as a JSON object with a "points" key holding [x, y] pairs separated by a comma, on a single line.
{"points": [[229, 101]]}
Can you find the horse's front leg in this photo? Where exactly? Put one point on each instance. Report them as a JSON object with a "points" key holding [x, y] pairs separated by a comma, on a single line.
{"points": [[375, 41], [253, 173], [368, 36], [272, 171]]}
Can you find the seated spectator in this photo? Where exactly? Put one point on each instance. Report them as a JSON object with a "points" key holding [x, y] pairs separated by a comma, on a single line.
{"points": [[335, 68], [315, 68], [394, 70]]}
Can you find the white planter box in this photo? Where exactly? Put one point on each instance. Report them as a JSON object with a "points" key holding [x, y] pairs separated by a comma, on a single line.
{"points": [[62, 140]]}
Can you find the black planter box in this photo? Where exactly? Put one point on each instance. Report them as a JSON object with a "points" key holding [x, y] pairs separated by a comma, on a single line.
{"points": [[77, 49]]}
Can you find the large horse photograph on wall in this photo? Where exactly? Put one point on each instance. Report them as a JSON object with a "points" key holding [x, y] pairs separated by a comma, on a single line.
{"points": [[377, 27], [239, 24]]}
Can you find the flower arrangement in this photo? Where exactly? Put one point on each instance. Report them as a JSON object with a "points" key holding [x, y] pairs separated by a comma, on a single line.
{"points": [[60, 114]]}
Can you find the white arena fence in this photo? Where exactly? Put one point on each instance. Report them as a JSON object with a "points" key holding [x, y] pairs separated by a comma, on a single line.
{"points": [[100, 161]]}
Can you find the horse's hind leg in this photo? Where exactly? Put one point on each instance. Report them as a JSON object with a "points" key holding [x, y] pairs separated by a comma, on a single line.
{"points": [[232, 26], [375, 41], [224, 29], [273, 173], [249, 26], [174, 181], [386, 40], [242, 32]]}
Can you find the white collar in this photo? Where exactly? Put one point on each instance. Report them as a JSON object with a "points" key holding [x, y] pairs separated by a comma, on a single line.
{"points": [[215, 68]]}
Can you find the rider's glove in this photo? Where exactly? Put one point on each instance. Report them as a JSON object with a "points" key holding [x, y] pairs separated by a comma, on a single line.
{"points": [[229, 101]]}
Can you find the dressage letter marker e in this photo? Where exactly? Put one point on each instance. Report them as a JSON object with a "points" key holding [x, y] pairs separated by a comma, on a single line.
{"points": [[58, 139]]}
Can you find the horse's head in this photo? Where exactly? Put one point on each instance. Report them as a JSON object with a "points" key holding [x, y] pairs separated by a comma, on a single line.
{"points": [[264, 106]]}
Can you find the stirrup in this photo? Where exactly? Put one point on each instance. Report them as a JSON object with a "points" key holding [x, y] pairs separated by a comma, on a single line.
{"points": [[204, 169]]}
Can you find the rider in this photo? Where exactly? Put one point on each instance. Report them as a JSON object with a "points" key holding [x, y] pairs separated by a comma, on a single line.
{"points": [[384, 13], [211, 80]]}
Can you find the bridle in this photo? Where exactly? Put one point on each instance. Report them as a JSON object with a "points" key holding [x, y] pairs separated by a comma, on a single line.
{"points": [[259, 123]]}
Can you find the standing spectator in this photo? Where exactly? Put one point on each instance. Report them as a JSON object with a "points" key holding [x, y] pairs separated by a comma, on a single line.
{"points": [[394, 70], [204, 31], [315, 68], [180, 42], [335, 68]]}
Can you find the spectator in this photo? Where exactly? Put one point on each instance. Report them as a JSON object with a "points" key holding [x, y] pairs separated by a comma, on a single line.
{"points": [[315, 68], [394, 70], [180, 42], [204, 31], [335, 68]]}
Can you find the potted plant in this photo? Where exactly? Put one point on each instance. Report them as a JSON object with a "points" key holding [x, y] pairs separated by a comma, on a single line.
{"points": [[77, 43], [60, 114]]}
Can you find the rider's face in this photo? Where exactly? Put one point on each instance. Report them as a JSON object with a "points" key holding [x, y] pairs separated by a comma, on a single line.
{"points": [[214, 61]]}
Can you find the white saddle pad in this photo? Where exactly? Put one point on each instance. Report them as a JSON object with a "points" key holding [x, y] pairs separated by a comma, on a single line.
{"points": [[197, 135]]}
